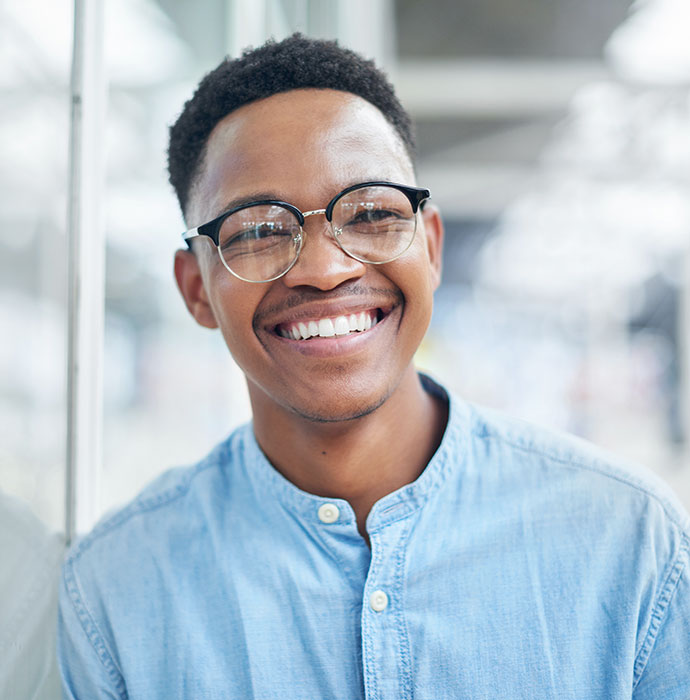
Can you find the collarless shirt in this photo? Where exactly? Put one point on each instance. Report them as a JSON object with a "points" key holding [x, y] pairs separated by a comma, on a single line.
{"points": [[520, 564]]}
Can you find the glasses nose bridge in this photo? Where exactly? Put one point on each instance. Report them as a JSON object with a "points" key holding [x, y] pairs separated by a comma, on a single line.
{"points": [[330, 233], [305, 214], [314, 212]]}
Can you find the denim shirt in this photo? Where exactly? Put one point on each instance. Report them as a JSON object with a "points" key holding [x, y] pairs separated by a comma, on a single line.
{"points": [[520, 564]]}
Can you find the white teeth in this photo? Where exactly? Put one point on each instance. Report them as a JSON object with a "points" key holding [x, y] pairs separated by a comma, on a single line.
{"points": [[326, 328], [341, 326], [329, 327]]}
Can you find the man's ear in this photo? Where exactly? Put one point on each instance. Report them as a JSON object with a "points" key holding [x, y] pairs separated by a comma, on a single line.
{"points": [[191, 286], [433, 227]]}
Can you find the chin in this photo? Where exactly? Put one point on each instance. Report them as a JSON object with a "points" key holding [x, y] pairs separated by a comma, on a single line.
{"points": [[345, 399], [337, 414]]}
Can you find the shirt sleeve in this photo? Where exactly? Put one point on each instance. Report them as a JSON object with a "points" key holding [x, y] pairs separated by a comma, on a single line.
{"points": [[87, 667], [666, 673]]}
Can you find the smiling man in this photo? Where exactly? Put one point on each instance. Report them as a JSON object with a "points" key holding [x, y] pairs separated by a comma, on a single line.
{"points": [[367, 535]]}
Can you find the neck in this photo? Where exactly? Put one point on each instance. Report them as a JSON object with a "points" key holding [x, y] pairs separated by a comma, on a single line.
{"points": [[359, 460]]}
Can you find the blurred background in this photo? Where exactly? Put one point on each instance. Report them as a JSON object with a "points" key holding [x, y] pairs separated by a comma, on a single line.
{"points": [[553, 134]]}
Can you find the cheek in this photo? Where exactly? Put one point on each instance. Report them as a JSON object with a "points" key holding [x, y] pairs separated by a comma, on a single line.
{"points": [[414, 277], [234, 307], [418, 267]]}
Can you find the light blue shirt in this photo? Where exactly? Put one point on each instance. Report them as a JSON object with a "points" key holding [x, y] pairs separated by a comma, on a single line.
{"points": [[520, 564]]}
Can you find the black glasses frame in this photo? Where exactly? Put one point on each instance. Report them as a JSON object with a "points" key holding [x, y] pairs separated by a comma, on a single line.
{"points": [[416, 195]]}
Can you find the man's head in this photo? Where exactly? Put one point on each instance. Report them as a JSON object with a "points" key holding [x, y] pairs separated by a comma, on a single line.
{"points": [[294, 63], [304, 146]]}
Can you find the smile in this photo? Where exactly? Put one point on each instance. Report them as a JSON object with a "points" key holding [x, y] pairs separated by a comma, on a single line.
{"points": [[330, 327]]}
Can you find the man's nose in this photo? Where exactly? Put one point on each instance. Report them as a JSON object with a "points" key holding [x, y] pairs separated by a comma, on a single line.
{"points": [[322, 262]]}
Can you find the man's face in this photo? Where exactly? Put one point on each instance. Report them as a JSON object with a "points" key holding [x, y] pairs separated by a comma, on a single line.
{"points": [[304, 147]]}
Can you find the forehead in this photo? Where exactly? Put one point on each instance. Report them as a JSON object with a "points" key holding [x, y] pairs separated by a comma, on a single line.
{"points": [[298, 145]]}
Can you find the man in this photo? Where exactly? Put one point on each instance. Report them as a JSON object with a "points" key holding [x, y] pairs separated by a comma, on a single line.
{"points": [[367, 535]]}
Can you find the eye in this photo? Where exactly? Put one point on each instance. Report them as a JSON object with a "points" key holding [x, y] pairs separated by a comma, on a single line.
{"points": [[265, 239], [373, 220], [372, 215], [257, 234]]}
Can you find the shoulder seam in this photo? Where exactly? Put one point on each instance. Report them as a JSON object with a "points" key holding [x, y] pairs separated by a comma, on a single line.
{"points": [[137, 507], [660, 611], [90, 629], [672, 516]]}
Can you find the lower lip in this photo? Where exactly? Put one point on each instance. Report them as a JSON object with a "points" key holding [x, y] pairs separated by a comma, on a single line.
{"points": [[336, 345]]}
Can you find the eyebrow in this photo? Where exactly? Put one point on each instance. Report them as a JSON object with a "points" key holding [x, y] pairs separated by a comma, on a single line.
{"points": [[248, 199], [272, 196]]}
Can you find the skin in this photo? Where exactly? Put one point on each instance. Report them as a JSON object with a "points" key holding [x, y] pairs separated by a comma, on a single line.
{"points": [[342, 417]]}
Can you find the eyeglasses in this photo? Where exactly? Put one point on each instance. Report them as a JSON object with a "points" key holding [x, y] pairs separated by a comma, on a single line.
{"points": [[373, 222]]}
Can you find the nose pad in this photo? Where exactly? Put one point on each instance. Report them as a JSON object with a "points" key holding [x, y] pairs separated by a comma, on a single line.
{"points": [[323, 231]]}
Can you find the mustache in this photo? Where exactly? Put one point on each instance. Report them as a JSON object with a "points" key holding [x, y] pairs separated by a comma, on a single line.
{"points": [[307, 295]]}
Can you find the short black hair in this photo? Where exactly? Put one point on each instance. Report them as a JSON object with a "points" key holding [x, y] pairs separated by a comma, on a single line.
{"points": [[294, 63]]}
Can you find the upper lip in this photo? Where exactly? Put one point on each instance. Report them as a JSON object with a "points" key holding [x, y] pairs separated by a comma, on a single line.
{"points": [[314, 310]]}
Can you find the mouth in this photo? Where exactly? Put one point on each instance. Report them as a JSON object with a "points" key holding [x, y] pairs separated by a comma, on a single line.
{"points": [[331, 326]]}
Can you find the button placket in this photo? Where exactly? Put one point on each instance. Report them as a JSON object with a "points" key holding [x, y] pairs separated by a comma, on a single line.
{"points": [[385, 647]]}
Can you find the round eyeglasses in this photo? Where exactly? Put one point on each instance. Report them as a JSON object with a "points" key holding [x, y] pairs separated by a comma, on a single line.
{"points": [[373, 222]]}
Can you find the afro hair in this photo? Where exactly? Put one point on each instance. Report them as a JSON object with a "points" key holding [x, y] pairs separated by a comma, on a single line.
{"points": [[296, 62]]}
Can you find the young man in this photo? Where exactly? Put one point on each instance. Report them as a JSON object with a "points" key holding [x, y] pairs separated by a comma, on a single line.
{"points": [[367, 535]]}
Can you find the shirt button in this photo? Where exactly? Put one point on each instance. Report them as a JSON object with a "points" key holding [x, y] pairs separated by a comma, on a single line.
{"points": [[328, 513], [378, 601]]}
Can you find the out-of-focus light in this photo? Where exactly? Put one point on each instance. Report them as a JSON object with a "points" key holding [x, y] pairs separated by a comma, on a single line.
{"points": [[652, 45], [35, 42], [141, 46], [611, 203]]}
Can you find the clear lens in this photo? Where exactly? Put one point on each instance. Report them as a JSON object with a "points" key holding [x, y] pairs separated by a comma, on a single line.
{"points": [[260, 243], [375, 224]]}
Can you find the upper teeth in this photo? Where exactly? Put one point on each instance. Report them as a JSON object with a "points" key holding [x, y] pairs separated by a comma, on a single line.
{"points": [[329, 327]]}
